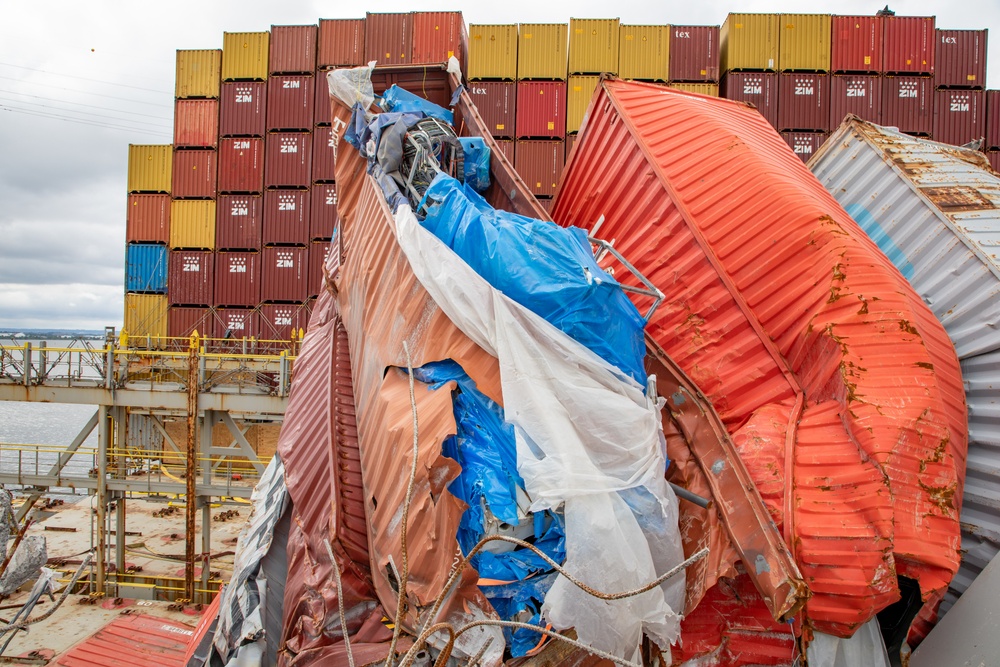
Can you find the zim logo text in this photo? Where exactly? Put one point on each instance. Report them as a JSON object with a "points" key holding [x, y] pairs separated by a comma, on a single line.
{"points": [[285, 260], [286, 203]]}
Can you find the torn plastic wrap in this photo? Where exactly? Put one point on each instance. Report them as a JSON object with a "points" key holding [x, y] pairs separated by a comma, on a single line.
{"points": [[352, 86], [400, 100]]}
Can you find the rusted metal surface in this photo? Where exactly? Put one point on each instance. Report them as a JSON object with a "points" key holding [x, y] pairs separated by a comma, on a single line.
{"points": [[290, 102], [289, 160], [194, 174], [959, 116], [147, 219], [283, 274], [908, 44], [292, 49], [778, 307], [136, 639], [857, 94], [190, 472], [856, 44], [286, 217], [757, 88]]}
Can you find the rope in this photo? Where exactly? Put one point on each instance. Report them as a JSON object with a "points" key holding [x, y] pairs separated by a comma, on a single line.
{"points": [[21, 625], [340, 602]]}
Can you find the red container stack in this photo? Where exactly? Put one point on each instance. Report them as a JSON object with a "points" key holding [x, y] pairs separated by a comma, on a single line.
{"points": [[289, 160], [437, 36], [290, 102], [959, 115], [318, 252], [496, 102], [323, 216], [803, 102], [541, 109], [194, 174], [992, 119], [540, 163], [908, 44], [284, 272], [237, 323], [960, 59], [292, 49], [908, 104], [196, 123], [282, 321], [323, 153], [147, 219], [241, 165], [389, 38], [804, 144], [237, 278], [191, 277], [243, 110], [694, 53], [757, 88], [856, 44], [238, 222], [183, 321], [858, 94], [341, 43], [286, 217]]}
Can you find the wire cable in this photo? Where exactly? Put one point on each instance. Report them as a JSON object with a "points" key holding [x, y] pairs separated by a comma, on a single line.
{"points": [[80, 104], [86, 92], [83, 78], [84, 122]]}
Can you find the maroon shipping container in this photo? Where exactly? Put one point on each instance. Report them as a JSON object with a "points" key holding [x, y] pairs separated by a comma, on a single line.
{"points": [[147, 219], [570, 141], [438, 36], [856, 44], [994, 158], [321, 113], [290, 102], [540, 163], [388, 38], [960, 59], [236, 323], [279, 320], [959, 116], [992, 119], [182, 321], [507, 148], [908, 44], [341, 43], [541, 109], [194, 174], [243, 109], [415, 80], [324, 152], [196, 123], [758, 88], [908, 104], [318, 252], [283, 275], [190, 277], [237, 278], [238, 222], [804, 101], [858, 94], [289, 160], [241, 165], [694, 53], [804, 144], [495, 101], [286, 216], [292, 49], [323, 216], [546, 203]]}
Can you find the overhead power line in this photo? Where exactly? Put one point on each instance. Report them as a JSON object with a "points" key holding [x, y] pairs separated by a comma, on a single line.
{"points": [[138, 123], [86, 92], [81, 104], [82, 78], [78, 121]]}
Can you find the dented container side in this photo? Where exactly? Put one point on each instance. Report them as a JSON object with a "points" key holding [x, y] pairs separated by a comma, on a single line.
{"points": [[694, 53], [341, 43], [286, 217], [540, 163], [192, 277], [292, 49], [541, 109], [858, 94], [196, 123], [749, 42], [908, 103], [804, 42], [237, 278], [244, 56], [497, 105], [238, 222], [192, 224], [147, 219], [493, 51], [644, 52], [243, 109], [389, 38], [959, 116], [960, 58], [437, 36], [198, 73], [856, 44], [194, 174], [284, 272], [580, 90], [908, 44], [149, 167], [757, 88], [542, 50], [593, 46], [145, 315]]}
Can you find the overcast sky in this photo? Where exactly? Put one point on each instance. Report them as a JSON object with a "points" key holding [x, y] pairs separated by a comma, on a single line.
{"points": [[79, 81]]}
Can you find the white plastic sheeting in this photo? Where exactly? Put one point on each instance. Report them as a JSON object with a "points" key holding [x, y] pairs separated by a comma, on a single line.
{"points": [[588, 439], [864, 648]]}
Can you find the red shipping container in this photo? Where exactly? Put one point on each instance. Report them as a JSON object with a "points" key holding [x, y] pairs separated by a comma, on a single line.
{"points": [[438, 36], [321, 114], [241, 165], [804, 144], [289, 160], [286, 216], [290, 102], [147, 219], [758, 88], [318, 253], [237, 278], [243, 109], [324, 152], [292, 49], [856, 44], [341, 43], [237, 323], [507, 148], [541, 109], [994, 158], [435, 89], [908, 104], [196, 123], [190, 277], [388, 38], [238, 222], [283, 273], [182, 321], [570, 141], [278, 321], [992, 119], [908, 44], [323, 216], [960, 59], [194, 174], [694, 53], [803, 101], [540, 163], [959, 116], [495, 101], [858, 94]]}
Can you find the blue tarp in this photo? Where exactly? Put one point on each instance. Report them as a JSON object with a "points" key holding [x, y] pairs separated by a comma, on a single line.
{"points": [[401, 100], [476, 165]]}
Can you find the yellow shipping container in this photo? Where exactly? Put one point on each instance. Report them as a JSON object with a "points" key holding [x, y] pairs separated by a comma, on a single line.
{"points": [[149, 167], [593, 46], [541, 51], [192, 224], [198, 73], [146, 315], [581, 89], [644, 52], [492, 52], [244, 55], [710, 89], [804, 43], [749, 42]]}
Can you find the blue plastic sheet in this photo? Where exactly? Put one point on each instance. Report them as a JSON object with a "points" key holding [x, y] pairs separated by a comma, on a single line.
{"points": [[546, 268], [401, 100], [476, 169]]}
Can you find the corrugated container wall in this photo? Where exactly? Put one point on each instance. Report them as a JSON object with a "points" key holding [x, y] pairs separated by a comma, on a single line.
{"points": [[959, 116], [278, 321], [147, 219], [283, 274], [541, 51], [194, 174], [506, 147], [149, 167], [496, 102], [994, 158], [244, 56], [182, 322], [192, 277], [908, 44], [804, 42], [694, 53], [286, 217], [749, 42], [145, 315], [593, 46], [290, 102], [241, 165], [541, 108], [644, 52], [323, 153], [804, 144], [758, 88], [992, 119], [243, 109], [388, 38], [858, 94], [710, 89], [321, 113], [540, 164], [341, 43], [960, 59], [237, 323], [580, 90], [289, 160], [323, 216], [803, 101], [437, 36], [196, 123], [318, 253], [492, 52], [192, 223], [145, 267], [908, 103], [856, 44], [570, 142], [237, 278], [292, 49], [198, 73], [238, 222]]}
